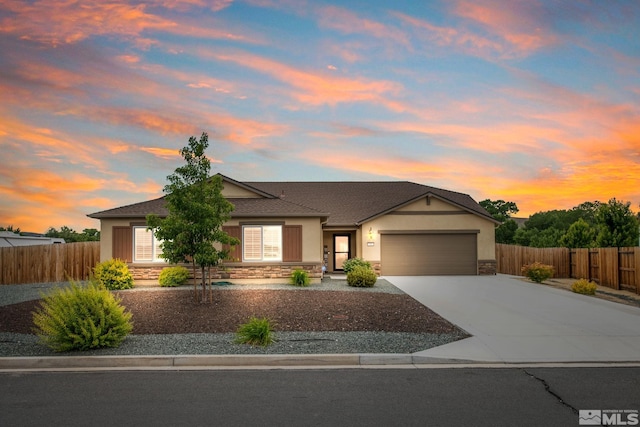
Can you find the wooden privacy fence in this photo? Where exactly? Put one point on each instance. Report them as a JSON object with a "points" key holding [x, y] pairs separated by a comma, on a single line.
{"points": [[616, 268], [48, 263]]}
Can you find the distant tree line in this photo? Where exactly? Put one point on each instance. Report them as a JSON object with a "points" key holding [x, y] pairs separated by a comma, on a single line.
{"points": [[68, 234], [590, 224]]}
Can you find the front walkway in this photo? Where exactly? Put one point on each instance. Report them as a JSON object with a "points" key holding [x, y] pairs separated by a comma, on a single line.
{"points": [[512, 320]]}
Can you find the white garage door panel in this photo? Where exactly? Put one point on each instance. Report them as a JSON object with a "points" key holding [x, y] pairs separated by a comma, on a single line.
{"points": [[428, 254]]}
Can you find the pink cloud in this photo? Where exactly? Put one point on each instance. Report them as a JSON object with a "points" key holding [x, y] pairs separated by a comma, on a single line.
{"points": [[185, 5], [524, 26], [348, 22], [317, 88], [459, 38], [67, 22]]}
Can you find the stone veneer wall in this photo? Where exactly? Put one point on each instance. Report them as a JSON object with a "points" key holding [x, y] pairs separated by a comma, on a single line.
{"points": [[279, 271], [487, 267], [377, 267]]}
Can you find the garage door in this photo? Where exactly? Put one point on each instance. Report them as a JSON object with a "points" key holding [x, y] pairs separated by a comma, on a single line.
{"points": [[428, 254]]}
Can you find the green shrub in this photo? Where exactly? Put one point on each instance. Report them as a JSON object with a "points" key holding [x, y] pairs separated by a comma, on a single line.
{"points": [[583, 286], [255, 332], [173, 276], [352, 263], [113, 274], [81, 318], [300, 278], [538, 272], [362, 277]]}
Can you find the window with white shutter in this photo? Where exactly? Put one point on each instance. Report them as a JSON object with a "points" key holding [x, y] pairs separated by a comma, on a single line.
{"points": [[262, 243], [146, 248]]}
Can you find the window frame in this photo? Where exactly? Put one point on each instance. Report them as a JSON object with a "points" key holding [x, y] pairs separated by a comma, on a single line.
{"points": [[249, 248], [155, 247]]}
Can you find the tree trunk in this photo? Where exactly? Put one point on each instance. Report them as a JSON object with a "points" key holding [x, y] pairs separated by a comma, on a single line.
{"points": [[195, 282], [209, 283], [204, 286]]}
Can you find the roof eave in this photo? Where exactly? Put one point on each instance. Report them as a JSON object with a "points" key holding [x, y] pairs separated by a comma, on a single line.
{"points": [[247, 187], [430, 194], [278, 215]]}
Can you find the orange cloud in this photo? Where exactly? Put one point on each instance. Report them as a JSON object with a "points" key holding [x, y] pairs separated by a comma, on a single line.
{"points": [[35, 199], [318, 88], [49, 144], [165, 153], [573, 184]]}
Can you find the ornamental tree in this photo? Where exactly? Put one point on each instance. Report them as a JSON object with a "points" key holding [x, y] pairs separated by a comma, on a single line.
{"points": [[192, 231]]}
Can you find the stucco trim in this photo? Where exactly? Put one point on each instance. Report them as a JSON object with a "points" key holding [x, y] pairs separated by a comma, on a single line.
{"points": [[429, 213], [429, 231]]}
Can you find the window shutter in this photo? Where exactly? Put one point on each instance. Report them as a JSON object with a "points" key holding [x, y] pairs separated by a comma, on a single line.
{"points": [[122, 243], [292, 242], [234, 231], [252, 241]]}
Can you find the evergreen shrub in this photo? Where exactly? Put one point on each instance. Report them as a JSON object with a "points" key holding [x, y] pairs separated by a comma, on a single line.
{"points": [[538, 272], [585, 287], [352, 263], [173, 276], [362, 277], [81, 318], [113, 274]]}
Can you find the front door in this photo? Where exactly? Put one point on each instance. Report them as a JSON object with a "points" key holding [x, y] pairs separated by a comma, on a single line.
{"points": [[341, 250]]}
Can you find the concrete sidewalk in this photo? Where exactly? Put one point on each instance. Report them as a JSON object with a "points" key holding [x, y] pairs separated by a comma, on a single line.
{"points": [[515, 321]]}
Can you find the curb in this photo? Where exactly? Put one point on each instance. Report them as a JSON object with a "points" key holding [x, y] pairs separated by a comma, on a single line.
{"points": [[215, 361], [283, 361]]}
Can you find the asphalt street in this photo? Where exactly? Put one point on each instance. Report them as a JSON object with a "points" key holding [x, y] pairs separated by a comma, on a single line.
{"points": [[514, 396]]}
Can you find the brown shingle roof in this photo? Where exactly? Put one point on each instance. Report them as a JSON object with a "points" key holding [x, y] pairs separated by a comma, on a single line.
{"points": [[265, 207], [351, 203], [346, 203]]}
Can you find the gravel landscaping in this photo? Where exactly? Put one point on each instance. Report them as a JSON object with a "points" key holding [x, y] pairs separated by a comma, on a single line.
{"points": [[324, 318]]}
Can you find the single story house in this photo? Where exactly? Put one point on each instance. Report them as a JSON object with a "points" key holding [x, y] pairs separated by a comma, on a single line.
{"points": [[402, 228]]}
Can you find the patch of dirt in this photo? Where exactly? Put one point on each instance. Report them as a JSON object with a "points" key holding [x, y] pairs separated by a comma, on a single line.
{"points": [[175, 311]]}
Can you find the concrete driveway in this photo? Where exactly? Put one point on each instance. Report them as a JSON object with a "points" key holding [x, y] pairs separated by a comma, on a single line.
{"points": [[516, 321]]}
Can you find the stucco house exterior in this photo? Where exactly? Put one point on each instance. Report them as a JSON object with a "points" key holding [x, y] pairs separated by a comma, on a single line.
{"points": [[402, 228]]}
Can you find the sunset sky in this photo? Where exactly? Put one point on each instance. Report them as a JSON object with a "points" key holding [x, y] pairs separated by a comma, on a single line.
{"points": [[535, 102]]}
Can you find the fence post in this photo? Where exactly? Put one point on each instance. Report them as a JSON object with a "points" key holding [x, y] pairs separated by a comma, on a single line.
{"points": [[636, 255]]}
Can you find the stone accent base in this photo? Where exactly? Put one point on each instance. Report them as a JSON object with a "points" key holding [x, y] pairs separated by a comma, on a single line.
{"points": [[487, 267], [377, 267], [227, 272]]}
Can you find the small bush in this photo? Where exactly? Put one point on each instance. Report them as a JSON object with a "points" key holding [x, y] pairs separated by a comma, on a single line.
{"points": [[255, 332], [81, 318], [113, 274], [173, 276], [585, 287], [361, 277], [538, 272], [300, 278], [352, 263]]}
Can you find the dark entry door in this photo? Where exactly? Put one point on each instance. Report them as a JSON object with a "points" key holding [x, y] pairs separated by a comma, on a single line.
{"points": [[341, 250]]}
